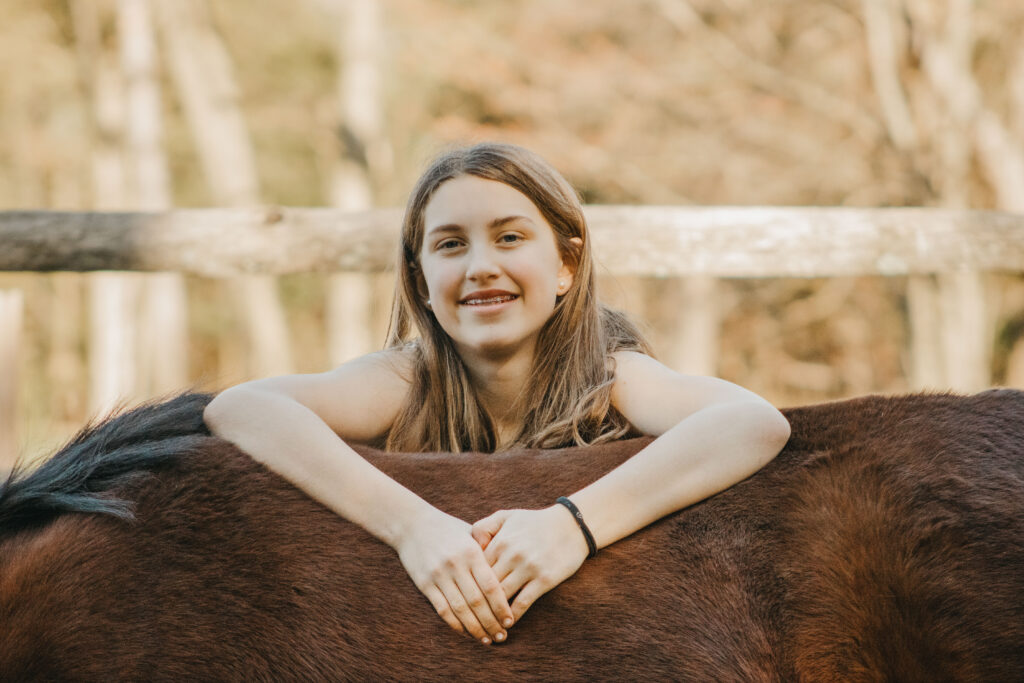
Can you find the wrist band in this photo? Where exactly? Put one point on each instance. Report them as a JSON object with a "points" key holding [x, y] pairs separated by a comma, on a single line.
{"points": [[578, 516]]}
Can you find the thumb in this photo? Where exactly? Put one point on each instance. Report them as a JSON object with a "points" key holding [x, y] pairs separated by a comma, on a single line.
{"points": [[486, 529]]}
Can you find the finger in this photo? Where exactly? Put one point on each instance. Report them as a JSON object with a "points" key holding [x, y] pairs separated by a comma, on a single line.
{"points": [[440, 603], [494, 594], [529, 593], [513, 583], [485, 529], [502, 568], [462, 611], [478, 604], [493, 551], [481, 534]]}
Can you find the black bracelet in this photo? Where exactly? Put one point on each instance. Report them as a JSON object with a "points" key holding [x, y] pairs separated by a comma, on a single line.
{"points": [[591, 546]]}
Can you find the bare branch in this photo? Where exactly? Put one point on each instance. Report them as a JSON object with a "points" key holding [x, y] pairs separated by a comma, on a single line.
{"points": [[811, 95]]}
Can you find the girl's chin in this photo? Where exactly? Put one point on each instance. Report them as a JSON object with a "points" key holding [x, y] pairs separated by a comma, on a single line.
{"points": [[496, 348]]}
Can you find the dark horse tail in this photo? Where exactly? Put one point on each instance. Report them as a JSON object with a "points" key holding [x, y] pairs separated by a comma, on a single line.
{"points": [[79, 478]]}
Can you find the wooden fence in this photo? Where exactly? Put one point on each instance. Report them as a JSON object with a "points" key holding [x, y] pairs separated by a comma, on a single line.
{"points": [[698, 244], [661, 241]]}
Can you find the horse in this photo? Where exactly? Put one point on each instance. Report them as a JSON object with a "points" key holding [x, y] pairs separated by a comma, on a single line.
{"points": [[885, 542]]}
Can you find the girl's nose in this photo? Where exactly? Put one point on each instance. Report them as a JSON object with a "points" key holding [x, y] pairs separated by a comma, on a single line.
{"points": [[482, 265]]}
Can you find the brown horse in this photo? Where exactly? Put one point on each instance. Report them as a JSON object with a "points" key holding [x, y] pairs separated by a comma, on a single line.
{"points": [[886, 542]]}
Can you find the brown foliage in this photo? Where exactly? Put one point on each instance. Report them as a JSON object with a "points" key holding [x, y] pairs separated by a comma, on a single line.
{"points": [[669, 101]]}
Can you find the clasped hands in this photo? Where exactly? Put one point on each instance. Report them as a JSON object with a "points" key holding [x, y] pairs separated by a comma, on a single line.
{"points": [[470, 573]]}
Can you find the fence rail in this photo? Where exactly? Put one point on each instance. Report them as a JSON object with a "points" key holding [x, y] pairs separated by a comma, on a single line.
{"points": [[950, 339], [726, 242]]}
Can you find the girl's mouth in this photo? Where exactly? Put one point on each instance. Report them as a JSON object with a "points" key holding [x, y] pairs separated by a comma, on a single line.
{"points": [[487, 301]]}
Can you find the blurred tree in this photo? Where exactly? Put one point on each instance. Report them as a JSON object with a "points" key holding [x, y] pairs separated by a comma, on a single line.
{"points": [[12, 304], [849, 102], [162, 322], [353, 298], [113, 298], [205, 82]]}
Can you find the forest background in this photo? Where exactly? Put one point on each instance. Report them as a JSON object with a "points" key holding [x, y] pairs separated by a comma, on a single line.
{"points": [[153, 104]]}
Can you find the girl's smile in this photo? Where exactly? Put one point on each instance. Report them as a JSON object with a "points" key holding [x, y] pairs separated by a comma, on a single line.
{"points": [[489, 300]]}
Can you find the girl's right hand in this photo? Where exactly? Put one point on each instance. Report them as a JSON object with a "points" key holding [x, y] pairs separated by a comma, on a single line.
{"points": [[449, 568]]}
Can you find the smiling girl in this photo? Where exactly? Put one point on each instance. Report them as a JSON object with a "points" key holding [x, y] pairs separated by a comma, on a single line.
{"points": [[497, 341]]}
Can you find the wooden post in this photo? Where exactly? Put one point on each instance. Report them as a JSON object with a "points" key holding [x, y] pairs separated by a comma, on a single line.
{"points": [[699, 326], [968, 332], [927, 370], [11, 310], [686, 315]]}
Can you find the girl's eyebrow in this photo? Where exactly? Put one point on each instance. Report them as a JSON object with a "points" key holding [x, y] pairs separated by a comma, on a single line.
{"points": [[496, 223]]}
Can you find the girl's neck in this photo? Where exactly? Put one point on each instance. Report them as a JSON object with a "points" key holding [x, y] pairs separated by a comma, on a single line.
{"points": [[499, 381]]}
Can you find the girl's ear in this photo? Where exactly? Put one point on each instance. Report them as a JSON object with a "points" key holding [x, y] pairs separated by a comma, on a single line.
{"points": [[568, 267], [421, 285]]}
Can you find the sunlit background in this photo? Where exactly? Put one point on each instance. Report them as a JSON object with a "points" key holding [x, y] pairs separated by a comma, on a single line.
{"points": [[154, 104]]}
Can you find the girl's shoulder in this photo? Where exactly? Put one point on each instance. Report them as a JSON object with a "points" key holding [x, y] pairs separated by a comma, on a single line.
{"points": [[377, 387], [655, 398], [359, 399]]}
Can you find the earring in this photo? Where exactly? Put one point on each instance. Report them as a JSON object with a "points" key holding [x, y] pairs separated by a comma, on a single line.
{"points": [[428, 304]]}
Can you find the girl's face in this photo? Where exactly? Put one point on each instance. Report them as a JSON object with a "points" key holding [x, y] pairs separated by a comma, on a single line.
{"points": [[491, 266]]}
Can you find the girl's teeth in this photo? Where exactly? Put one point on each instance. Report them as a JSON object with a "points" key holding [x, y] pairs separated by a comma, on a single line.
{"points": [[492, 300]]}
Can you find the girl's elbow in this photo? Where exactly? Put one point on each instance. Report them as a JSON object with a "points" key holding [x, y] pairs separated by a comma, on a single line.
{"points": [[216, 411], [770, 428], [225, 408], [776, 431]]}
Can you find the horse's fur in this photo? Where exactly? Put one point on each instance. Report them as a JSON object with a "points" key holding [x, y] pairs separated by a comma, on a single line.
{"points": [[886, 542]]}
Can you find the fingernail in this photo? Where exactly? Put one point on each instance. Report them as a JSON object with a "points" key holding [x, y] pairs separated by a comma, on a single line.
{"points": [[485, 641], [500, 637], [507, 622]]}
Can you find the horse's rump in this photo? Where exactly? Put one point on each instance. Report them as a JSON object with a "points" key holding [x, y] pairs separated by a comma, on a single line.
{"points": [[886, 541]]}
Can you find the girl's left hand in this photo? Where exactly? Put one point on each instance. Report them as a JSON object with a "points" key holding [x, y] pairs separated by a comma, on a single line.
{"points": [[531, 551]]}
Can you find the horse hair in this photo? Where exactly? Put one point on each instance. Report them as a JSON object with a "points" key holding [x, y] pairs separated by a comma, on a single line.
{"points": [[80, 476]]}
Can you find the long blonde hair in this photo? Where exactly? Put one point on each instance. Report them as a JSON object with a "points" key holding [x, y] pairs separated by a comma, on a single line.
{"points": [[567, 397]]}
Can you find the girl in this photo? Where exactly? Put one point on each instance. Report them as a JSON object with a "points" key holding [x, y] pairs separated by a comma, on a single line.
{"points": [[496, 341]]}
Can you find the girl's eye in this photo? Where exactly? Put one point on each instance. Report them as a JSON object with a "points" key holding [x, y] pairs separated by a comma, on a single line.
{"points": [[448, 244], [510, 238]]}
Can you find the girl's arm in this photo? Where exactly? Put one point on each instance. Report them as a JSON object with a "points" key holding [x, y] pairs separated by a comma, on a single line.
{"points": [[711, 435], [295, 425]]}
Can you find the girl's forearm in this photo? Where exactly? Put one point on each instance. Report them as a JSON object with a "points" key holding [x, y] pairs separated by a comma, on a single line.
{"points": [[707, 452], [295, 443]]}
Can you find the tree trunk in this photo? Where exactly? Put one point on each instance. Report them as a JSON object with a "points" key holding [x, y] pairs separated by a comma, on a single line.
{"points": [[112, 312], [11, 311], [353, 321], [205, 82], [163, 320], [65, 371], [964, 330]]}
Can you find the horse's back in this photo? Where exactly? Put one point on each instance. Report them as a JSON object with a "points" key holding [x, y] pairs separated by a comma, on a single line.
{"points": [[886, 541], [905, 538]]}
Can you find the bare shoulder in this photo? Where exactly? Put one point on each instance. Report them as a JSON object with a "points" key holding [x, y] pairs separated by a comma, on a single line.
{"points": [[359, 399], [654, 397]]}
